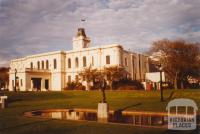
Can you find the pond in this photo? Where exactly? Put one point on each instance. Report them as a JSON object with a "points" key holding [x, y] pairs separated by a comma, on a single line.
{"points": [[142, 119]]}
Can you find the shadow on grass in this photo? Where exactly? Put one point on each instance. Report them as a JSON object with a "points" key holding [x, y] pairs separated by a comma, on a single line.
{"points": [[181, 132], [24, 125], [171, 96], [14, 100]]}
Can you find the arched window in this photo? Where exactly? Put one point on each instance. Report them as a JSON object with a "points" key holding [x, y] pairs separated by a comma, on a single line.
{"points": [[84, 61], [76, 62], [108, 59], [31, 65], [47, 64], [69, 63], [54, 63], [38, 65], [42, 64]]}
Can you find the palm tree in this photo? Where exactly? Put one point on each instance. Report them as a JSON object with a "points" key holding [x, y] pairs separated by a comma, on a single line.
{"points": [[114, 73], [89, 75]]}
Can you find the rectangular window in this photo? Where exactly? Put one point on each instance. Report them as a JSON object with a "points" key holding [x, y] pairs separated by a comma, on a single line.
{"points": [[55, 63], [21, 81], [47, 64], [76, 62], [126, 62], [46, 84], [69, 79], [84, 61], [38, 65], [133, 67], [42, 64], [31, 65], [69, 63], [107, 59]]}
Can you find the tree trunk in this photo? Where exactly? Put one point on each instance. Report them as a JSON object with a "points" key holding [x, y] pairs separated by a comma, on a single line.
{"points": [[111, 83], [182, 86], [175, 81]]}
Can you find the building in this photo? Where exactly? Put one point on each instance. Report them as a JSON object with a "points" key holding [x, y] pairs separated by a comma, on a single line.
{"points": [[52, 71]]}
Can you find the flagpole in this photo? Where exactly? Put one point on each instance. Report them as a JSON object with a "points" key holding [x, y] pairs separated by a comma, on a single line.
{"points": [[82, 23]]}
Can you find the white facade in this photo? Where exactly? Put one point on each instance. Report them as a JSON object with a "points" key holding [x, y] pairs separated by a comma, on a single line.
{"points": [[53, 70]]}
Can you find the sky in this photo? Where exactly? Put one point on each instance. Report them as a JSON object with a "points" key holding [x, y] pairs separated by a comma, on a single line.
{"points": [[36, 26]]}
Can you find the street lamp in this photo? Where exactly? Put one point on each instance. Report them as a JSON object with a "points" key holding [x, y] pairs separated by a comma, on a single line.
{"points": [[15, 89], [161, 88]]}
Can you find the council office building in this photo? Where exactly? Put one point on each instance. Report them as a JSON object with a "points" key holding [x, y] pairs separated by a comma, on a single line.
{"points": [[53, 70]]}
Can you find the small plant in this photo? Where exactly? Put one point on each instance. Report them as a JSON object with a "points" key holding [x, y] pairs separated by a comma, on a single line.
{"points": [[74, 86]]}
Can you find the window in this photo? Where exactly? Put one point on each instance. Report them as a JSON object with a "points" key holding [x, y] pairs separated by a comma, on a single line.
{"points": [[69, 79], [126, 63], [133, 67], [31, 65], [13, 83], [69, 63], [108, 59], [46, 84], [42, 64], [21, 81], [76, 62], [38, 65], [84, 61], [47, 64], [54, 63], [76, 78], [92, 62]]}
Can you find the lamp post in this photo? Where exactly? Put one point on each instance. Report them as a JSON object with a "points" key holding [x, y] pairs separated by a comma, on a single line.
{"points": [[161, 89], [15, 89]]}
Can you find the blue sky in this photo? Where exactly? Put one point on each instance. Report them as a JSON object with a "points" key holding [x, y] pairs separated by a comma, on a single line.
{"points": [[36, 26]]}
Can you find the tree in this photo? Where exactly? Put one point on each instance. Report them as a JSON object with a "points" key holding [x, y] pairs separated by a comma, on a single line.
{"points": [[89, 74], [114, 73], [178, 59]]}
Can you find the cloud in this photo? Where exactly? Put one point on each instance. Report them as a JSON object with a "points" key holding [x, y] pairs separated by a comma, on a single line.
{"points": [[35, 26]]}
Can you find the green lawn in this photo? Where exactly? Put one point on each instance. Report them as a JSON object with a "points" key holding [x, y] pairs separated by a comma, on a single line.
{"points": [[13, 122]]}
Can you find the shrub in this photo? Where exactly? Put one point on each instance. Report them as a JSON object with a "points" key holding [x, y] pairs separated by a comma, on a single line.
{"points": [[74, 86], [127, 84]]}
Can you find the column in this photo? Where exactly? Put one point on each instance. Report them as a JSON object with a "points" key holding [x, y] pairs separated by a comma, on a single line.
{"points": [[32, 85], [42, 85]]}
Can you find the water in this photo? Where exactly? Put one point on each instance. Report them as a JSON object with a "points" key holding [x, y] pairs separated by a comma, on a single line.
{"points": [[121, 117]]}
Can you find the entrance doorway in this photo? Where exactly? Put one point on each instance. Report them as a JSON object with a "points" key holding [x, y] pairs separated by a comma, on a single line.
{"points": [[36, 83], [47, 84]]}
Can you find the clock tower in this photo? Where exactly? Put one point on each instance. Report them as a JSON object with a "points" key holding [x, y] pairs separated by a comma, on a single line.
{"points": [[81, 40]]}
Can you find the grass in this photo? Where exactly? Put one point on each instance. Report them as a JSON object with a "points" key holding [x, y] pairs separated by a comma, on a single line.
{"points": [[12, 120]]}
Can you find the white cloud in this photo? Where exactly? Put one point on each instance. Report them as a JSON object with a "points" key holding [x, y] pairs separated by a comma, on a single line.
{"points": [[35, 26]]}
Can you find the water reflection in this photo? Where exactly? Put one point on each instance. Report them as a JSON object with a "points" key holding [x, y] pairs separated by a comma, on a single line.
{"points": [[131, 118]]}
